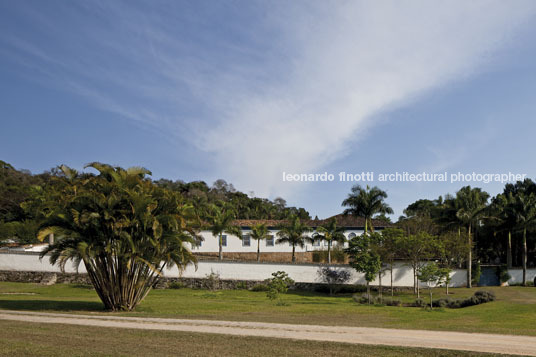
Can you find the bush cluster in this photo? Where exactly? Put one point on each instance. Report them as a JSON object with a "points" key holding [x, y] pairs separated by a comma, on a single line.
{"points": [[260, 287], [176, 285], [480, 297]]}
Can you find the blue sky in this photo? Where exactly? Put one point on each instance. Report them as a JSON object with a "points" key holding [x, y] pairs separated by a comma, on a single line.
{"points": [[244, 90]]}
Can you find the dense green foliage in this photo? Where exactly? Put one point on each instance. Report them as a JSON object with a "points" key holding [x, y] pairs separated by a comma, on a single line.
{"points": [[124, 229], [24, 198]]}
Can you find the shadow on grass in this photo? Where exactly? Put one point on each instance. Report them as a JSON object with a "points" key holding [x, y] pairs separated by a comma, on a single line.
{"points": [[40, 305]]}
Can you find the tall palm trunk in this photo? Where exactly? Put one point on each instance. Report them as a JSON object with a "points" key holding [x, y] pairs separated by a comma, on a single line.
{"points": [[258, 250], [368, 291], [414, 280], [509, 251], [469, 258], [220, 251], [524, 262], [380, 287], [329, 252], [392, 294], [293, 253]]}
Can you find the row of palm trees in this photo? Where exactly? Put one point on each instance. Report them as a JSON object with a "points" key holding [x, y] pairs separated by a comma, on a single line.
{"points": [[361, 202], [292, 231]]}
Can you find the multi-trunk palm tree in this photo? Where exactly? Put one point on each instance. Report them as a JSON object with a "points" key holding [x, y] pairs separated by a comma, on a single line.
{"points": [[329, 232], [366, 203], [123, 228], [294, 232], [221, 220], [259, 232]]}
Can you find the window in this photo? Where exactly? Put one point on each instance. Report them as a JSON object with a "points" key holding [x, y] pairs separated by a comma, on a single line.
{"points": [[224, 240], [316, 242], [351, 235], [270, 241], [246, 240]]}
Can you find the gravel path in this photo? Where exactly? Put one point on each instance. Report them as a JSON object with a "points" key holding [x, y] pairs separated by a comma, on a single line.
{"points": [[507, 344]]}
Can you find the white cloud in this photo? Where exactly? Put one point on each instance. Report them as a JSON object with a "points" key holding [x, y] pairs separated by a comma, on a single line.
{"points": [[350, 61]]}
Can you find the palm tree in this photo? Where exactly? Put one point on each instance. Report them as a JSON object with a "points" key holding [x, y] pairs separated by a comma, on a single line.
{"points": [[294, 233], [124, 229], [259, 232], [221, 220], [471, 204], [503, 219], [366, 202], [524, 209], [330, 233]]}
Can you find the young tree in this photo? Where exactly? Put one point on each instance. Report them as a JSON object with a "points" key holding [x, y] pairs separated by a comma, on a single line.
{"points": [[366, 203], [220, 221], [390, 248], [417, 248], [363, 258], [277, 285], [259, 232], [123, 228], [453, 248], [294, 232], [430, 274], [330, 233]]}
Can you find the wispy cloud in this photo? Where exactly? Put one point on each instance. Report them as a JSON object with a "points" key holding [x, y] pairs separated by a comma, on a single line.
{"points": [[354, 60], [279, 87]]}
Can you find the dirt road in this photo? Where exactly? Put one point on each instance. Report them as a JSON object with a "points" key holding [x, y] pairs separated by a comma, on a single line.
{"points": [[508, 344]]}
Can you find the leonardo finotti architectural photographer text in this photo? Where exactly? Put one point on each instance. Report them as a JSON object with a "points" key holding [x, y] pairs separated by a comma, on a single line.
{"points": [[370, 176]]}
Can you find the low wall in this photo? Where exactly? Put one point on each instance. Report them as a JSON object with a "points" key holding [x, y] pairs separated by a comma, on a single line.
{"points": [[516, 275], [238, 271]]}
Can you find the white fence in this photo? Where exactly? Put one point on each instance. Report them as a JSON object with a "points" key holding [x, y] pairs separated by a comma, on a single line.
{"points": [[301, 273]]}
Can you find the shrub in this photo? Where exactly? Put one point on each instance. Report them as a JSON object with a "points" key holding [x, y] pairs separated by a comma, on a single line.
{"points": [[176, 285], [212, 281], [333, 277], [420, 303], [260, 287], [392, 302], [241, 285], [485, 296], [455, 304], [480, 297], [278, 284], [362, 299], [476, 271], [444, 302], [502, 273]]}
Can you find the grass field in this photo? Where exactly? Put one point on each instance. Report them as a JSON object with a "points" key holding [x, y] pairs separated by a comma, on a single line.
{"points": [[514, 312], [31, 339]]}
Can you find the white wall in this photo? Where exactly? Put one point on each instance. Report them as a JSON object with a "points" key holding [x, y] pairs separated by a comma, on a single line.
{"points": [[516, 275], [302, 273], [235, 245]]}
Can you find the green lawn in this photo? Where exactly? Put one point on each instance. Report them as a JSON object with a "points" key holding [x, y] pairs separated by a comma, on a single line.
{"points": [[514, 312], [32, 339]]}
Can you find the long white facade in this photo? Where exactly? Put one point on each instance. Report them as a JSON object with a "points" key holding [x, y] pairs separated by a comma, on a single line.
{"points": [[233, 244]]}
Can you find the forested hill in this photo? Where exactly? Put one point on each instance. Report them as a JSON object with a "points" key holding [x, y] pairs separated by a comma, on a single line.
{"points": [[22, 194]]}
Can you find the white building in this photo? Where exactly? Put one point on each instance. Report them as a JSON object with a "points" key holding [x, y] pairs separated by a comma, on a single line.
{"points": [[352, 227]]}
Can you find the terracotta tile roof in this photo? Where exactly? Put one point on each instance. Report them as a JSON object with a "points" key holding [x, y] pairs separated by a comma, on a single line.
{"points": [[342, 221]]}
